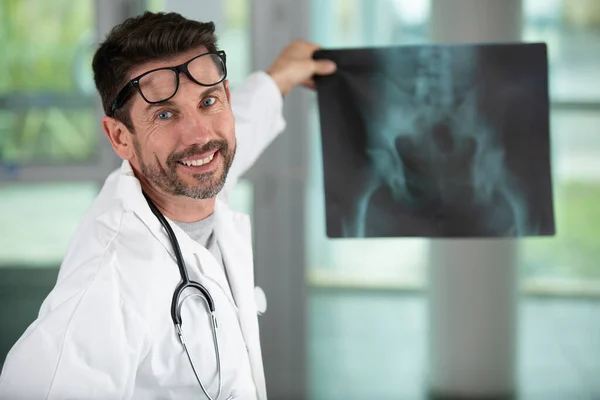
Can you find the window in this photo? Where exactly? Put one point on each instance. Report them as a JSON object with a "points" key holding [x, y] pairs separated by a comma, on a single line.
{"points": [[47, 103], [49, 128], [39, 220], [572, 32]]}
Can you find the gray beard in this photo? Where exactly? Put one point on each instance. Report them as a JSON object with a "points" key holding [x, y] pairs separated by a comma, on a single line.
{"points": [[206, 186]]}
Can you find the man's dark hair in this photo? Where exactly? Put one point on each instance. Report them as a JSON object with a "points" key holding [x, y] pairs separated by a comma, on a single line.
{"points": [[138, 40]]}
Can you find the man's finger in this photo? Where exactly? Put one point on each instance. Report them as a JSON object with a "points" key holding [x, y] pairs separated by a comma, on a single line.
{"points": [[324, 67]]}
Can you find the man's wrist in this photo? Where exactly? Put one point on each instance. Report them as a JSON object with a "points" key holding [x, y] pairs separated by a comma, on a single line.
{"points": [[279, 81]]}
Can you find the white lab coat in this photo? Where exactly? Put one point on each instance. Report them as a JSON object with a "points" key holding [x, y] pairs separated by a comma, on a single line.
{"points": [[105, 331]]}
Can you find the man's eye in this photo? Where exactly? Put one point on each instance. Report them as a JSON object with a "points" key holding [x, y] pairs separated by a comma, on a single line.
{"points": [[164, 115], [209, 101]]}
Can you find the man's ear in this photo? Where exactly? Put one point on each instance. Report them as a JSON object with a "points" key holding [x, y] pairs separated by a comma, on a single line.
{"points": [[119, 136]]}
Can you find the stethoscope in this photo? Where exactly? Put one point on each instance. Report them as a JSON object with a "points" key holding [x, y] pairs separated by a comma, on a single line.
{"points": [[176, 303]]}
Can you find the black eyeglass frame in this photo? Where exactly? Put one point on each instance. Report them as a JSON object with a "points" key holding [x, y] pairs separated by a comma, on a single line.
{"points": [[134, 83]]}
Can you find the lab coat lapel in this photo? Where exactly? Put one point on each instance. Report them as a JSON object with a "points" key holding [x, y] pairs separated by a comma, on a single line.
{"points": [[234, 237]]}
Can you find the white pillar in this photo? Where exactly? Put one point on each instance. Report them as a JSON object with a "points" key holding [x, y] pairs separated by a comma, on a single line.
{"points": [[473, 283]]}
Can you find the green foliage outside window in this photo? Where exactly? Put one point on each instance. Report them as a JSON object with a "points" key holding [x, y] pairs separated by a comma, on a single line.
{"points": [[575, 250], [42, 42], [46, 86]]}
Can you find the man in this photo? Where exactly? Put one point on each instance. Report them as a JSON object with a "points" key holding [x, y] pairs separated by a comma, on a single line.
{"points": [[108, 330]]}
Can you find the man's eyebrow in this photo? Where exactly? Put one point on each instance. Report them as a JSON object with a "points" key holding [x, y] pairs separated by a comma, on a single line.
{"points": [[167, 103], [212, 89]]}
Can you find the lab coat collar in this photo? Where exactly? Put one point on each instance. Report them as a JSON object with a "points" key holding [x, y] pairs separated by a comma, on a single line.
{"points": [[232, 230]]}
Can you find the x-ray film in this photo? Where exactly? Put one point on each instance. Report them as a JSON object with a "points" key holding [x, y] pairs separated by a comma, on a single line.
{"points": [[437, 141]]}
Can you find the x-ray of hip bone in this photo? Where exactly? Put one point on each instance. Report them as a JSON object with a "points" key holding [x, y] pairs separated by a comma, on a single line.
{"points": [[437, 141]]}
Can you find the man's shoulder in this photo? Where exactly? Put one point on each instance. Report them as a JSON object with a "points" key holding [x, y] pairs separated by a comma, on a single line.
{"points": [[107, 221], [113, 239], [117, 245], [103, 273]]}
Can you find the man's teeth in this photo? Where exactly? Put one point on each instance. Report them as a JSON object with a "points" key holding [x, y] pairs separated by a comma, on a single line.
{"points": [[197, 163]]}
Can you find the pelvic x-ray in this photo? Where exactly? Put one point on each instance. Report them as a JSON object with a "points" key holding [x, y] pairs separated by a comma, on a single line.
{"points": [[437, 141]]}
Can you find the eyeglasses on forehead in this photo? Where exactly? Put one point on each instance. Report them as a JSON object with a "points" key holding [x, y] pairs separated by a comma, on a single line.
{"points": [[161, 84]]}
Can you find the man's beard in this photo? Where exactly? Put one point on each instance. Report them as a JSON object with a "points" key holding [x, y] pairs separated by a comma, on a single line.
{"points": [[207, 185]]}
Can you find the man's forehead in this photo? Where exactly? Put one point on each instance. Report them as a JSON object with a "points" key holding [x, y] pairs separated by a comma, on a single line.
{"points": [[166, 62]]}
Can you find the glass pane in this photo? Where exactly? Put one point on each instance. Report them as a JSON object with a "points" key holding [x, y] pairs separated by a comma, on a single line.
{"points": [[242, 196], [39, 220], [47, 93], [355, 23], [575, 250], [572, 31], [235, 38], [366, 345], [371, 262]]}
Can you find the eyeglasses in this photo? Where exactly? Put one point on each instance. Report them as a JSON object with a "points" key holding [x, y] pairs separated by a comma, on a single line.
{"points": [[161, 84]]}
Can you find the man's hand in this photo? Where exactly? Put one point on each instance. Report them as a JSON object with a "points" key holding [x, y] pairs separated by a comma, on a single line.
{"points": [[295, 66]]}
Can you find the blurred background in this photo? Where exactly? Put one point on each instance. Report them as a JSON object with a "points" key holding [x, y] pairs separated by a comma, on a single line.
{"points": [[346, 319]]}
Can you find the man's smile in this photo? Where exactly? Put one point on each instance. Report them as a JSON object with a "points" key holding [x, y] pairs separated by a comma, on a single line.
{"points": [[200, 163]]}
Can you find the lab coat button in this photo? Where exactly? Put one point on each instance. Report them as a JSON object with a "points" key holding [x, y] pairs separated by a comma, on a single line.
{"points": [[260, 299]]}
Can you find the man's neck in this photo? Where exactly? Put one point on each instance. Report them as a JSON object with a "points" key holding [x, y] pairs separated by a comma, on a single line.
{"points": [[179, 208]]}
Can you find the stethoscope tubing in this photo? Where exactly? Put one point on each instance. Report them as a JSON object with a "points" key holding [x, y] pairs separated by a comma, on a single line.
{"points": [[176, 303]]}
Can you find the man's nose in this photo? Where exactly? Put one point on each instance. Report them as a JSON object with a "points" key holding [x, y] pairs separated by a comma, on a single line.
{"points": [[197, 129]]}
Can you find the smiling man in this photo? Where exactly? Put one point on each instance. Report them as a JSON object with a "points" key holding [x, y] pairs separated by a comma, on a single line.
{"points": [[186, 142], [155, 296]]}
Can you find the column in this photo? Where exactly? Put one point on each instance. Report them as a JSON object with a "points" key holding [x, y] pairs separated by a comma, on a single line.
{"points": [[473, 283]]}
